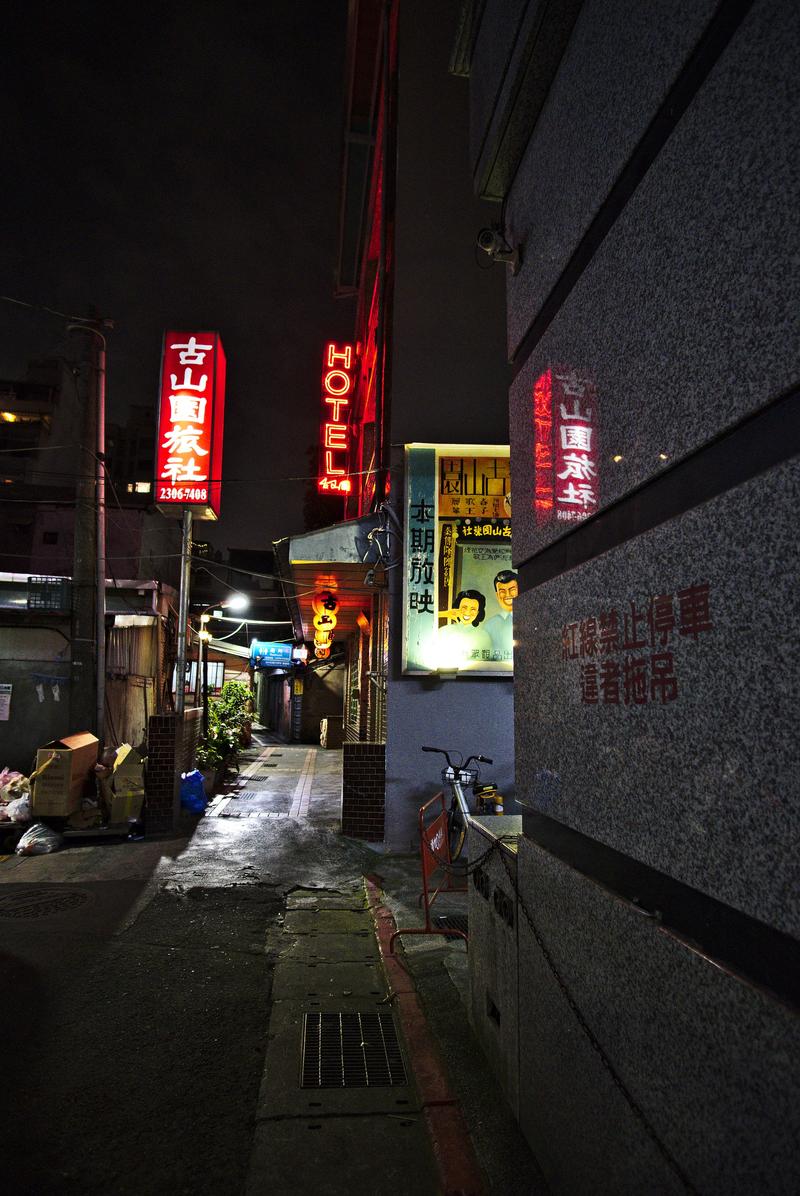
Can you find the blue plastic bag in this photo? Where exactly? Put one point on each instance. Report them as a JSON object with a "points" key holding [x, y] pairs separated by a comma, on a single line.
{"points": [[193, 795]]}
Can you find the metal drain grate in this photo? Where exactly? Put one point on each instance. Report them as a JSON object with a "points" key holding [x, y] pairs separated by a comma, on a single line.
{"points": [[41, 904], [246, 795], [351, 1050], [453, 922]]}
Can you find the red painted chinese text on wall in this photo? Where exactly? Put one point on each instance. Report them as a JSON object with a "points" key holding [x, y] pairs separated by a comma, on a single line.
{"points": [[626, 656]]}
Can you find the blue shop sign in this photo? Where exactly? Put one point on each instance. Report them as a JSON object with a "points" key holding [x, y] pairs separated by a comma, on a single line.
{"points": [[266, 655]]}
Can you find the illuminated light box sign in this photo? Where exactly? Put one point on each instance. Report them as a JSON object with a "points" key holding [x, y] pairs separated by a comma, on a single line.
{"points": [[338, 380], [566, 452], [459, 586], [190, 424], [266, 654]]}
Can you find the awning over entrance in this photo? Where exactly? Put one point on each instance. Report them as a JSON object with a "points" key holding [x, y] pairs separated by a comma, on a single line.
{"points": [[336, 558]]}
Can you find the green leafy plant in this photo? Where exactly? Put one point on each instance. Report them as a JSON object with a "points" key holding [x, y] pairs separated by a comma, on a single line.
{"points": [[219, 744], [234, 701], [208, 757]]}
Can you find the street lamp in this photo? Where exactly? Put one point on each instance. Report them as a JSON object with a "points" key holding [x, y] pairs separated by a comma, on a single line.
{"points": [[237, 602], [234, 602]]}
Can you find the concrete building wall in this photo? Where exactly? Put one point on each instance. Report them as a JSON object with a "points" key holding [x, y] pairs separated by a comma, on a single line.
{"points": [[655, 199], [31, 658], [322, 696], [448, 386]]}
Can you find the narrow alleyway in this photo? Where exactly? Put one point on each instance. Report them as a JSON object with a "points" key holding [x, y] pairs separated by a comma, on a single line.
{"points": [[162, 1000]]}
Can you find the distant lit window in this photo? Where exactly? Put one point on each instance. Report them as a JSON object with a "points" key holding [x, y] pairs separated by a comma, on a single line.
{"points": [[22, 417], [143, 487]]}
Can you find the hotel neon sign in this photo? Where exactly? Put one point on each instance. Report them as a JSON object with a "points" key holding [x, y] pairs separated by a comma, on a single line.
{"points": [[337, 390]]}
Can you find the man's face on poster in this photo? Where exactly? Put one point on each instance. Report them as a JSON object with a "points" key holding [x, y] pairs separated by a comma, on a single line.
{"points": [[506, 593]]}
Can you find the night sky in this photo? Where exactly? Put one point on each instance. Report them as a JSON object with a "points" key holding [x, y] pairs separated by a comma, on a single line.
{"points": [[180, 167]]}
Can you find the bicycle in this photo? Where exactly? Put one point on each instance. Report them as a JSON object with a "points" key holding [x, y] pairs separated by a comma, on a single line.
{"points": [[458, 776]]}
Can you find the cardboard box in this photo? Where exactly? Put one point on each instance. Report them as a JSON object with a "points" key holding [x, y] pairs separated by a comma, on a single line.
{"points": [[125, 806], [127, 785], [128, 768], [58, 791], [86, 819]]}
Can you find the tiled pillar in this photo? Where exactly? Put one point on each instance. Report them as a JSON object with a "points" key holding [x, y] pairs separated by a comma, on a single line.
{"points": [[363, 790], [171, 747]]}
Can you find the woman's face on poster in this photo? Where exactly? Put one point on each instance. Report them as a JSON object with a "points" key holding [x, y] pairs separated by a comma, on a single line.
{"points": [[468, 610]]}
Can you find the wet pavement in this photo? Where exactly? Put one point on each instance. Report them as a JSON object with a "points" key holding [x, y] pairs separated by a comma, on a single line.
{"points": [[157, 1025]]}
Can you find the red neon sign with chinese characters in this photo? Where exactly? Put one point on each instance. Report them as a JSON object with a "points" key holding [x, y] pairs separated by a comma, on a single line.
{"points": [[338, 368], [566, 459], [190, 424]]}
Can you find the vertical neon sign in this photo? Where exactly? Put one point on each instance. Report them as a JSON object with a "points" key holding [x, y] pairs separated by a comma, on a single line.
{"points": [[190, 424], [337, 391]]}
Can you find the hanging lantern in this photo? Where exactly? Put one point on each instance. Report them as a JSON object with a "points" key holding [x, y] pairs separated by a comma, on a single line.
{"points": [[322, 653], [324, 601], [323, 639], [325, 621]]}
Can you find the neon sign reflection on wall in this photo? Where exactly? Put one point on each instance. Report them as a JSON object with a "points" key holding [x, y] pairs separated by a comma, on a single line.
{"points": [[565, 446]]}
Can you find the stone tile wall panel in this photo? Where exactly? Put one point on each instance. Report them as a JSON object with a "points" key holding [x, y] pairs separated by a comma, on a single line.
{"points": [[687, 316], [702, 786], [708, 1060]]}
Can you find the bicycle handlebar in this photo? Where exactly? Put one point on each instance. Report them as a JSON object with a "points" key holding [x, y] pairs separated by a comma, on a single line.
{"points": [[442, 752], [446, 754]]}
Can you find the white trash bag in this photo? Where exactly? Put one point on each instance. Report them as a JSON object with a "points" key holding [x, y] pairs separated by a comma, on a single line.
{"points": [[39, 840], [19, 810]]}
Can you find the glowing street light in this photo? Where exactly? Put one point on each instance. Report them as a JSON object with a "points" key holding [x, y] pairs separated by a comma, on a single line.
{"points": [[237, 602]]}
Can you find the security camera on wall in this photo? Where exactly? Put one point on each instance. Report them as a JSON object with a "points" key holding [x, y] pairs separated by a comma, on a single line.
{"points": [[493, 243]]}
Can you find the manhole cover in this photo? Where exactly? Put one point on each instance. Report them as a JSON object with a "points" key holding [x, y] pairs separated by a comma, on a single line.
{"points": [[40, 904], [351, 1050], [453, 922]]}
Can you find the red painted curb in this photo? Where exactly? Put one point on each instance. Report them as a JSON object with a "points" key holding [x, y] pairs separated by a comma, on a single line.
{"points": [[459, 1170]]}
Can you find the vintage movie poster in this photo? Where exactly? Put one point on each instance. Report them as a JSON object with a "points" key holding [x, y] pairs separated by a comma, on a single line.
{"points": [[459, 581]]}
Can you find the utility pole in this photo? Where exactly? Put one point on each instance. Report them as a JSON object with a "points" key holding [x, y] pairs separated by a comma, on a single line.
{"points": [[100, 601], [183, 612], [89, 555], [83, 689]]}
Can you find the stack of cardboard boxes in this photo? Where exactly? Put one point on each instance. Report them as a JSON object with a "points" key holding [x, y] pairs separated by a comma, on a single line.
{"points": [[63, 767], [65, 787]]}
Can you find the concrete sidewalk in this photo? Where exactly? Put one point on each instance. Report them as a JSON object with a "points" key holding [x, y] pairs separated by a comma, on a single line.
{"points": [[327, 962], [179, 1004]]}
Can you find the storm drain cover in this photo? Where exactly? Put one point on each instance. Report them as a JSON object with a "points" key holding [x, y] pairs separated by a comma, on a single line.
{"points": [[41, 903], [351, 1050], [453, 922], [246, 795], [253, 814]]}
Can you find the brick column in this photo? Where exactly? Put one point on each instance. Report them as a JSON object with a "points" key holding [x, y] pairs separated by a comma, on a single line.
{"points": [[363, 790], [171, 746], [192, 729], [161, 778]]}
